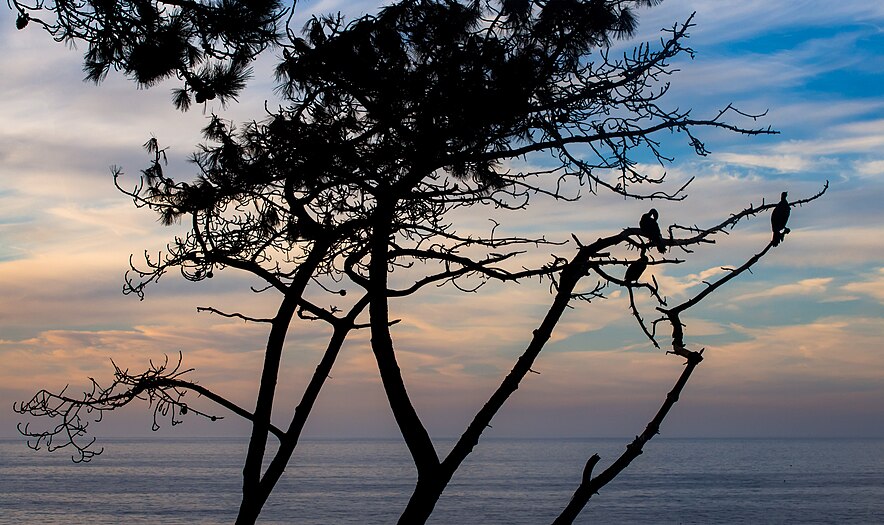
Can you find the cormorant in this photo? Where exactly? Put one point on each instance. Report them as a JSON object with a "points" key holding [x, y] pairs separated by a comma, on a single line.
{"points": [[778, 219], [651, 230], [636, 269]]}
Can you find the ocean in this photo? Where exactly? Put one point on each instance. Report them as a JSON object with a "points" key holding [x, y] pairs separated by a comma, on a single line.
{"points": [[505, 481]]}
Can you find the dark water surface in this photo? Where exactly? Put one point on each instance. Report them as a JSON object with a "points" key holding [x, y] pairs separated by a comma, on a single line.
{"points": [[519, 482]]}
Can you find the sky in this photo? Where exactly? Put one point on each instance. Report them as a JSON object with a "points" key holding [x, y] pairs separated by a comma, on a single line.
{"points": [[793, 349]]}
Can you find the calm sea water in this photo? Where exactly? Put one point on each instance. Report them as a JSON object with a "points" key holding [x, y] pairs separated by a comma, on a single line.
{"points": [[519, 482]]}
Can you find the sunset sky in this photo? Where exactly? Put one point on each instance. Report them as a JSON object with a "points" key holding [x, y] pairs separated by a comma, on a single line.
{"points": [[794, 349]]}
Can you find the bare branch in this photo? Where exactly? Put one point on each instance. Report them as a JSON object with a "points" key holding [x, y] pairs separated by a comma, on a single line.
{"points": [[161, 386], [235, 315]]}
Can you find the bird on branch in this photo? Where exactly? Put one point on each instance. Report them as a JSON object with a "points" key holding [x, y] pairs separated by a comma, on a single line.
{"points": [[636, 269], [651, 230], [778, 219]]}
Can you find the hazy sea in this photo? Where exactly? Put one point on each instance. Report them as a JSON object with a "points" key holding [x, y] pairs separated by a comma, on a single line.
{"points": [[518, 482]]}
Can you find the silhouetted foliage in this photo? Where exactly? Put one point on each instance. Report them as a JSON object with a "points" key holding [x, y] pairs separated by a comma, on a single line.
{"points": [[206, 44], [394, 122]]}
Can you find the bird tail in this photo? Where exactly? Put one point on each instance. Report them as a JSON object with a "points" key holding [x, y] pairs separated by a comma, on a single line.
{"points": [[777, 238]]}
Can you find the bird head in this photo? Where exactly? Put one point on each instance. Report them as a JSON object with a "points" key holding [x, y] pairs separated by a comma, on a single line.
{"points": [[653, 213], [783, 195]]}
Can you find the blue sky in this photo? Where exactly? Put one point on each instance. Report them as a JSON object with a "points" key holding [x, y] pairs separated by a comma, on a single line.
{"points": [[794, 349]]}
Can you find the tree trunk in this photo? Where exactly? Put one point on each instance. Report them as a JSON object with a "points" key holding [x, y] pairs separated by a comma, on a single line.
{"points": [[249, 509], [251, 496], [254, 495], [424, 498], [413, 431]]}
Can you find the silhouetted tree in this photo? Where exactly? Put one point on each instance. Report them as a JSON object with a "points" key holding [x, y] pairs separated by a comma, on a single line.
{"points": [[394, 123]]}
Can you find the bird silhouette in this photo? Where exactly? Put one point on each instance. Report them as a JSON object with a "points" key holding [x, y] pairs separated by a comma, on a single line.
{"points": [[651, 230], [636, 269], [778, 219]]}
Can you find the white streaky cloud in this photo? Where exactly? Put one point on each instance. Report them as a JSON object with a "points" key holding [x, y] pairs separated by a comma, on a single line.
{"points": [[780, 163], [822, 114], [866, 137], [759, 74], [721, 21], [861, 144], [814, 287], [871, 285], [723, 77], [869, 168], [820, 247], [820, 152], [840, 298], [680, 286], [828, 349], [59, 357], [862, 127], [696, 327], [225, 355]]}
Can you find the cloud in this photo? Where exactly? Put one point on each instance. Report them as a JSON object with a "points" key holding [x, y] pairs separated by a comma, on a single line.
{"points": [[829, 349], [818, 114], [780, 163], [871, 285], [869, 168], [814, 287], [681, 286], [819, 246], [729, 20], [851, 138], [822, 152]]}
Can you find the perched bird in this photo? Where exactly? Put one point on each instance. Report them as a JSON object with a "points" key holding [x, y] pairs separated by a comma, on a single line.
{"points": [[636, 269], [651, 230], [778, 219]]}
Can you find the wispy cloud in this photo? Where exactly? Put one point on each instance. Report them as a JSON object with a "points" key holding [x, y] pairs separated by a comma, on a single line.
{"points": [[815, 287], [781, 163], [871, 285], [728, 20], [869, 168]]}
